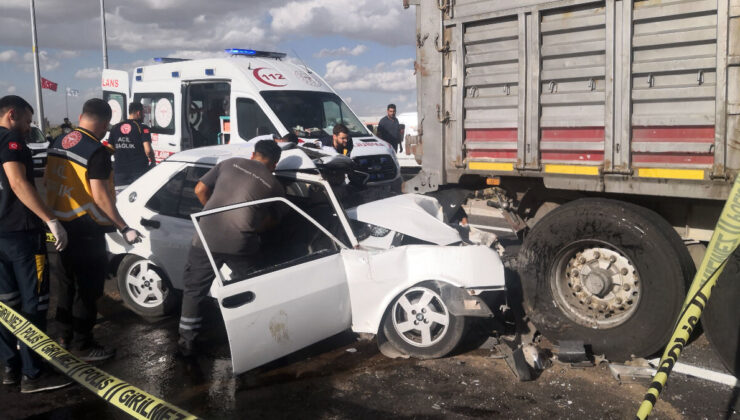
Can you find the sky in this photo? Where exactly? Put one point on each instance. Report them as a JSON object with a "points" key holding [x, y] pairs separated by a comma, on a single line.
{"points": [[363, 48]]}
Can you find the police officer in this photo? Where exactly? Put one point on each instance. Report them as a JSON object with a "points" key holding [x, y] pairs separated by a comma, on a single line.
{"points": [[24, 277], [79, 188], [133, 143]]}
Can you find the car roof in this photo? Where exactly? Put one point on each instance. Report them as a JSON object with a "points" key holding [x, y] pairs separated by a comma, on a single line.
{"points": [[290, 160]]}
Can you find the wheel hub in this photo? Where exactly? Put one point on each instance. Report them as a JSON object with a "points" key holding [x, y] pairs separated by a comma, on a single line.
{"points": [[598, 282], [597, 286], [144, 285], [420, 317]]}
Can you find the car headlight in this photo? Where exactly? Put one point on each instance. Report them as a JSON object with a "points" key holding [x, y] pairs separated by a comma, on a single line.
{"points": [[364, 230]]}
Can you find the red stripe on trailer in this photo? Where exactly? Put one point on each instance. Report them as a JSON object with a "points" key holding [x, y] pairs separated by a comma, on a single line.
{"points": [[491, 155], [673, 158], [584, 134], [573, 157], [682, 134], [491, 134]]}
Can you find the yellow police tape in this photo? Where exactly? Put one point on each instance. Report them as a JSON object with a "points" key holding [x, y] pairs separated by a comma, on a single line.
{"points": [[121, 394], [725, 240]]}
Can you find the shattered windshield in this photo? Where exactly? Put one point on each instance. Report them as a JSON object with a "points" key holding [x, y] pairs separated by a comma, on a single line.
{"points": [[313, 114]]}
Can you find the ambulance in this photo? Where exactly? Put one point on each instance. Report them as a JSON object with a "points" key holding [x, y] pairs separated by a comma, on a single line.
{"points": [[245, 94]]}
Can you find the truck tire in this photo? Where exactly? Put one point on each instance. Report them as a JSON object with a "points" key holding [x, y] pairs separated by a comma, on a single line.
{"points": [[721, 319], [605, 272]]}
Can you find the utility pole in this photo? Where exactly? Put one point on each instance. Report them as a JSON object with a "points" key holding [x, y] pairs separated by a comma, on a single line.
{"points": [[37, 72], [102, 27]]}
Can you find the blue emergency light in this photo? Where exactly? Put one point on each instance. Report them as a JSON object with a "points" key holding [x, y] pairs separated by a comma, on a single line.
{"points": [[255, 53]]}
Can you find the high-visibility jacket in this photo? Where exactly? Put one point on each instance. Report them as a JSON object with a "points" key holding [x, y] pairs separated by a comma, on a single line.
{"points": [[68, 191]]}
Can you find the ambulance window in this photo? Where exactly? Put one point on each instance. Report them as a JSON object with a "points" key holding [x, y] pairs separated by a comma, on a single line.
{"points": [[251, 120], [117, 102], [332, 113], [159, 111]]}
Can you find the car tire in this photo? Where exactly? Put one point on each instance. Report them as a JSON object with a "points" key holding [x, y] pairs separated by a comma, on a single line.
{"points": [[605, 272], [721, 319], [424, 330], [144, 287]]}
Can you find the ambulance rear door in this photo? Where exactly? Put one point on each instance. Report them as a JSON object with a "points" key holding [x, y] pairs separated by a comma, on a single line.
{"points": [[162, 113], [116, 92]]}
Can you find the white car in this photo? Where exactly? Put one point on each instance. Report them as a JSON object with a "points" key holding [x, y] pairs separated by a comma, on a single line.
{"points": [[391, 268]]}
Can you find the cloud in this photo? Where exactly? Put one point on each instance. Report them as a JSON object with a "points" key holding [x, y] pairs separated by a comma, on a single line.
{"points": [[7, 88], [67, 54], [89, 73], [382, 21], [345, 76], [342, 51], [9, 55], [46, 62]]}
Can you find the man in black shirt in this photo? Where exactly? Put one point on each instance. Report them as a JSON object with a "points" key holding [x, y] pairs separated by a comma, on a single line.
{"points": [[341, 140], [133, 143], [231, 236], [389, 129], [24, 277]]}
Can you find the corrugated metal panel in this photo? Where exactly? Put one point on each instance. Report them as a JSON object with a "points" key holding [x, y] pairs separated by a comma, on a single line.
{"points": [[492, 94], [674, 83], [572, 98]]}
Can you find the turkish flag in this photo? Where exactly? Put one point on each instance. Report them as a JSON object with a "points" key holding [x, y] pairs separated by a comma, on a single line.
{"points": [[48, 84]]}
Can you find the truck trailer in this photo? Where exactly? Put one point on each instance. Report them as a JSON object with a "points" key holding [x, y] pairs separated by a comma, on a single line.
{"points": [[608, 132]]}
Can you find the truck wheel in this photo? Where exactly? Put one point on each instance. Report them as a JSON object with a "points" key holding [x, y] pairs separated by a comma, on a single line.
{"points": [[144, 287], [418, 323], [608, 273], [721, 319]]}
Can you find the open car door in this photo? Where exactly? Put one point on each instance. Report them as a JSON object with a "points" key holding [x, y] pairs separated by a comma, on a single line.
{"points": [[296, 294]]}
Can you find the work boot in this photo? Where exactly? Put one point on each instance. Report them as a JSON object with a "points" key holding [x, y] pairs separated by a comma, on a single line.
{"points": [[186, 348], [11, 375], [93, 352], [45, 381]]}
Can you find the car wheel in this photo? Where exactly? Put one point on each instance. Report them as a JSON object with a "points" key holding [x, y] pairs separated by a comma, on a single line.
{"points": [[419, 323], [608, 273], [144, 287]]}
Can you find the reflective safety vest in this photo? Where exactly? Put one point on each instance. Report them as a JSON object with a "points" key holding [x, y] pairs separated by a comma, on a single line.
{"points": [[68, 190]]}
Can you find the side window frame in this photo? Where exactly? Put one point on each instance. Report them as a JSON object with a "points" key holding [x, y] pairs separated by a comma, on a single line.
{"points": [[196, 216], [176, 213]]}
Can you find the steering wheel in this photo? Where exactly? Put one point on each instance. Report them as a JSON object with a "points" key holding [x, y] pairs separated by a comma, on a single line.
{"points": [[195, 114]]}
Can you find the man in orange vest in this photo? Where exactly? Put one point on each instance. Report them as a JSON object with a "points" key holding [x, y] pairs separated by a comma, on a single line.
{"points": [[79, 189]]}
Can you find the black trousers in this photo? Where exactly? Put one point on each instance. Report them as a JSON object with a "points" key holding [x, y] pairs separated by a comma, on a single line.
{"points": [[197, 280], [24, 286], [84, 265]]}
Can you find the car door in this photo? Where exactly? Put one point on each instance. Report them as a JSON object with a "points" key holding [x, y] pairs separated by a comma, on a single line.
{"points": [[165, 219], [296, 296]]}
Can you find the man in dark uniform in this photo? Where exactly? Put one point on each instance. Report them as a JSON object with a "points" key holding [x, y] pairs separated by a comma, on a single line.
{"points": [[79, 188], [24, 276], [232, 235], [389, 129], [133, 143]]}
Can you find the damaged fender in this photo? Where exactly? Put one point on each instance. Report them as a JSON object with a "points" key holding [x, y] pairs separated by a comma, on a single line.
{"points": [[462, 303]]}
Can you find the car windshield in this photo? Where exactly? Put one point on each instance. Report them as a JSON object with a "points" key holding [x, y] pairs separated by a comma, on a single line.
{"points": [[313, 114]]}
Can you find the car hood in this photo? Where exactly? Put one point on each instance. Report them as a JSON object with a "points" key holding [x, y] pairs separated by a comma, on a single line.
{"points": [[413, 215]]}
